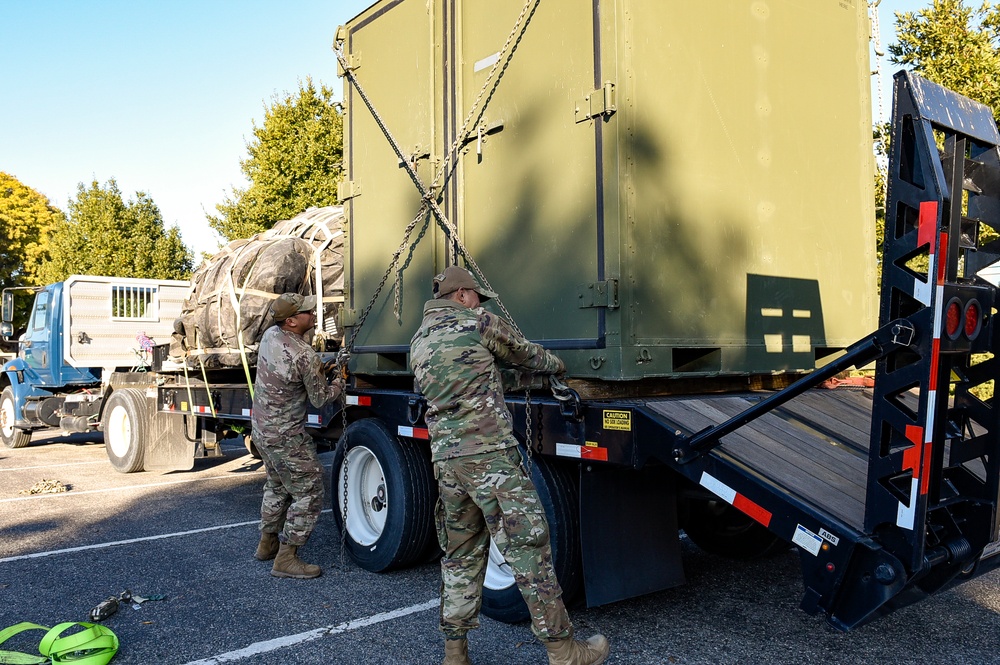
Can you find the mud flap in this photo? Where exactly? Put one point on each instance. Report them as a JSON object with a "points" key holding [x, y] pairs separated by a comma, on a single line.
{"points": [[167, 447]]}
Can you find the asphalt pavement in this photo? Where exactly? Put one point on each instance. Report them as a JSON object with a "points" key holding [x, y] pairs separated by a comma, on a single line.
{"points": [[191, 535]]}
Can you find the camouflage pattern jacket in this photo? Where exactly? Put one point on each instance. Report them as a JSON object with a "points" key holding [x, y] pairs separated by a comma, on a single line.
{"points": [[463, 359], [288, 373]]}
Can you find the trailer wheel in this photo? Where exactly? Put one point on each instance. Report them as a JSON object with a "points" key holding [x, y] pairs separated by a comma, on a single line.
{"points": [[559, 493], [10, 435], [125, 425], [390, 496], [720, 529]]}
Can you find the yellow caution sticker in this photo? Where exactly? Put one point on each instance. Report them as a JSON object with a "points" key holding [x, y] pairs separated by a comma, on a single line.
{"points": [[618, 420]]}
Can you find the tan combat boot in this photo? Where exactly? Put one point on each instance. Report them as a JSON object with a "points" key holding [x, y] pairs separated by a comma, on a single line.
{"points": [[267, 548], [288, 564], [456, 652], [593, 651]]}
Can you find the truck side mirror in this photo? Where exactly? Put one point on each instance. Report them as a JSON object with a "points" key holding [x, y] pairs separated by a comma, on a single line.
{"points": [[6, 329], [8, 309]]}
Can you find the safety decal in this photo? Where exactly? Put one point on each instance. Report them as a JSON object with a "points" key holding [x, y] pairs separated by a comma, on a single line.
{"points": [[807, 540], [413, 432], [734, 498], [357, 400], [616, 419], [581, 452]]}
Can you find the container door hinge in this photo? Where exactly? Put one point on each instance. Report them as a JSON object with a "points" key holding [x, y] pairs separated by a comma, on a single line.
{"points": [[599, 294], [348, 189], [600, 102], [347, 318]]}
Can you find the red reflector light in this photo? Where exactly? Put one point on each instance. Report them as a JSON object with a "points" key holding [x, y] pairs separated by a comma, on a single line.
{"points": [[973, 319], [953, 318]]}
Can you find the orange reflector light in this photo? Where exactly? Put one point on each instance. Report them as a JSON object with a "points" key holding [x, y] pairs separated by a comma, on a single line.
{"points": [[953, 318], [973, 319]]}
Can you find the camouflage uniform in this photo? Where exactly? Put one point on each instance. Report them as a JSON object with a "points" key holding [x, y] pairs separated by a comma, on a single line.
{"points": [[463, 359], [288, 373]]}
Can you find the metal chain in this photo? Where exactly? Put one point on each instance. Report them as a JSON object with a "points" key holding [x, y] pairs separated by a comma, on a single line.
{"points": [[527, 429], [429, 200]]}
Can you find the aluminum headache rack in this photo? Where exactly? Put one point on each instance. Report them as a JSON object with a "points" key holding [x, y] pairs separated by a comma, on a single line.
{"points": [[912, 510]]}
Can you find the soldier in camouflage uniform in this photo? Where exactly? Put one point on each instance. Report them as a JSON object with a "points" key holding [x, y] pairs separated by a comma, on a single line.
{"points": [[463, 358], [288, 374]]}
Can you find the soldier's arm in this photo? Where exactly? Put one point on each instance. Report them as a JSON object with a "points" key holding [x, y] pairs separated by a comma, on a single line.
{"points": [[319, 390], [513, 349]]}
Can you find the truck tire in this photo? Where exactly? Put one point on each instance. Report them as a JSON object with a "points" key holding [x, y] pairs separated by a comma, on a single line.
{"points": [[718, 528], [251, 447], [558, 490], [125, 426], [11, 436], [390, 496]]}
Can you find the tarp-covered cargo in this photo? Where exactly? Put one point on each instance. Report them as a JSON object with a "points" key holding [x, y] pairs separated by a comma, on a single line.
{"points": [[226, 312]]}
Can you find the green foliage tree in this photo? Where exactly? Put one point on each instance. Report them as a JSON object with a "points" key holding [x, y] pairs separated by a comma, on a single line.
{"points": [[954, 45], [26, 218], [294, 162], [105, 235]]}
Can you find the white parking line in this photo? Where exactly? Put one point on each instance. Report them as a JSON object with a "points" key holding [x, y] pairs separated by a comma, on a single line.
{"points": [[52, 466], [99, 546], [258, 648], [120, 489]]}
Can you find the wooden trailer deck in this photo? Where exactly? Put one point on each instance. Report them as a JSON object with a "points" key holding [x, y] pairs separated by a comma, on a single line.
{"points": [[815, 446]]}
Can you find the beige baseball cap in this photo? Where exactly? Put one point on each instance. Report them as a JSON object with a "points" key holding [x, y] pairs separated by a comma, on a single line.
{"points": [[288, 305], [455, 278]]}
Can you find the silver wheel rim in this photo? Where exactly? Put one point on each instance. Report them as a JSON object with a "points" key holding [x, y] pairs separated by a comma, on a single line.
{"points": [[499, 574], [7, 418], [118, 431], [367, 496]]}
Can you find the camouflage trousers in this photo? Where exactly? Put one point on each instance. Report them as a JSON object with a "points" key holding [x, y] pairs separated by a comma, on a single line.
{"points": [[293, 491], [490, 494]]}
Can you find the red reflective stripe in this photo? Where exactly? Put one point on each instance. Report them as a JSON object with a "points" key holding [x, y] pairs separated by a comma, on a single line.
{"points": [[927, 223], [752, 509], [590, 452], [935, 361], [941, 264]]}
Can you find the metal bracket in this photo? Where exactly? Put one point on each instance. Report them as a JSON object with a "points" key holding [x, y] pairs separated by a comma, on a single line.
{"points": [[353, 63], [600, 102], [599, 294], [348, 189]]}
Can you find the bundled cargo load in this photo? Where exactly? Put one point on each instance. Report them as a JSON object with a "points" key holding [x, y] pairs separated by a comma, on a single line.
{"points": [[226, 312]]}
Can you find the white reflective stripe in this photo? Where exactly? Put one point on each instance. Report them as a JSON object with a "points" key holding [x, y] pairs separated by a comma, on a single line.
{"points": [[567, 450], [313, 419], [905, 516], [247, 412], [717, 487], [352, 400], [938, 313]]}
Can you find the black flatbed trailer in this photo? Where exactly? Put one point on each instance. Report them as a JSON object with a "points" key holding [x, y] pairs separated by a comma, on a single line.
{"points": [[890, 493]]}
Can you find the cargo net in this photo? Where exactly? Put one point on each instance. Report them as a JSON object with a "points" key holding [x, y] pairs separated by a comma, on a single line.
{"points": [[226, 312]]}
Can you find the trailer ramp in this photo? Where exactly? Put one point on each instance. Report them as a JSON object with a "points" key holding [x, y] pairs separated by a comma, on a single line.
{"points": [[914, 511]]}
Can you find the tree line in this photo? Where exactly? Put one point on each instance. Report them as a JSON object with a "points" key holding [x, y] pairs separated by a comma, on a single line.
{"points": [[294, 160]]}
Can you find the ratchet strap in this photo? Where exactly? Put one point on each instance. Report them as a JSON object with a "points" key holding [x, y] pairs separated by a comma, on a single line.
{"points": [[92, 645]]}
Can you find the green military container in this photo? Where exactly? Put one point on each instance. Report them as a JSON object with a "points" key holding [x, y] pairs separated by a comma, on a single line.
{"points": [[665, 189]]}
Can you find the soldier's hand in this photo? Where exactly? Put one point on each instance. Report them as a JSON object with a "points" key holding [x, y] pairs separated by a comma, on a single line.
{"points": [[330, 366]]}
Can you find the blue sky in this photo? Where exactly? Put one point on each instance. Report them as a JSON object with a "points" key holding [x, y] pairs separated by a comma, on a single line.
{"points": [[161, 96]]}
